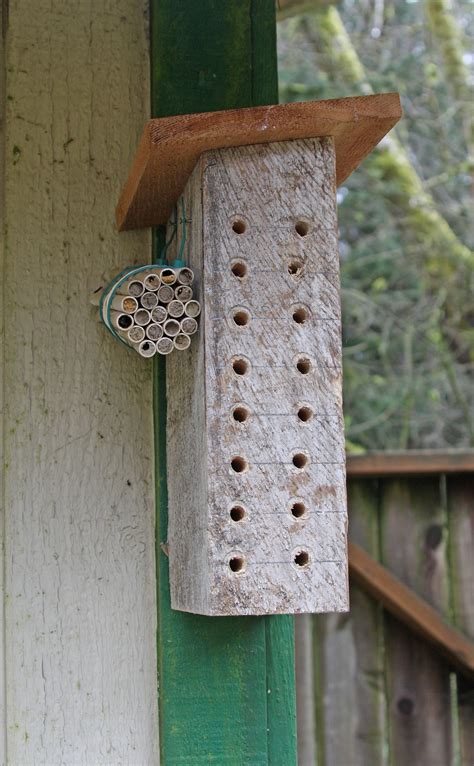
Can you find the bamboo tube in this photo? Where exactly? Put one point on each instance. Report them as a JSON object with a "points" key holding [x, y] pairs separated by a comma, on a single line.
{"points": [[171, 327], [159, 314], [176, 309], [164, 346], [154, 331], [127, 304], [134, 287], [152, 281], [168, 276], [182, 341], [142, 317], [121, 321], [147, 348], [192, 309], [185, 276], [136, 334], [165, 294], [188, 326], [149, 300], [183, 293]]}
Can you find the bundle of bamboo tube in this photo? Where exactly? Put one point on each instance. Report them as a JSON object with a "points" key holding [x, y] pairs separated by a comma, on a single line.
{"points": [[150, 308]]}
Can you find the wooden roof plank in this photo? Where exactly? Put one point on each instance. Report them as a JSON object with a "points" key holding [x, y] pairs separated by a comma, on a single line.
{"points": [[170, 146]]}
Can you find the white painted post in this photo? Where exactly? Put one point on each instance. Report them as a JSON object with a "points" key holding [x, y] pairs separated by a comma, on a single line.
{"points": [[256, 467], [80, 606]]}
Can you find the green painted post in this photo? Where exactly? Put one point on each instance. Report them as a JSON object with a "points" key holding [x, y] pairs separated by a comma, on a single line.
{"points": [[226, 685]]}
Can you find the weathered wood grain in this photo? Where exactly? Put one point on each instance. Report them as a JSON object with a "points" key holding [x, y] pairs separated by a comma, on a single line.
{"points": [[460, 497], [170, 146], [413, 540], [352, 705], [80, 618], [267, 189]]}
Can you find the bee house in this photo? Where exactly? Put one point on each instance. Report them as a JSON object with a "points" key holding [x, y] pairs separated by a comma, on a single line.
{"points": [[255, 439]]}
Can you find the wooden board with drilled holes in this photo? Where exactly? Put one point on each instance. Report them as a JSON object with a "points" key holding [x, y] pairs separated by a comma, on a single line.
{"points": [[261, 479], [170, 146]]}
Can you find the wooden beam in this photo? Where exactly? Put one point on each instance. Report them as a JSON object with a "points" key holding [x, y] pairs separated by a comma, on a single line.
{"points": [[170, 147], [226, 684], [404, 604], [290, 487], [410, 462]]}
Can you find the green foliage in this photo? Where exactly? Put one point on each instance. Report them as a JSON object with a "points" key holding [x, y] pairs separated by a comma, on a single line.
{"points": [[406, 268]]}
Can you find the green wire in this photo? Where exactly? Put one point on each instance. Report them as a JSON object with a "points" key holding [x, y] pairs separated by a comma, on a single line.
{"points": [[183, 238], [168, 243]]}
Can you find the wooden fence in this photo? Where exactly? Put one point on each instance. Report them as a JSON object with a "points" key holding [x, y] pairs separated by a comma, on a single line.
{"points": [[371, 692]]}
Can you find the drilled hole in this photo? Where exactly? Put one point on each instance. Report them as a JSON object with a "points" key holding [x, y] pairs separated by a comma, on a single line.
{"points": [[237, 563], [302, 228], [240, 366], [301, 559], [305, 414], [241, 317], [241, 414], [239, 226], [300, 460], [239, 464], [298, 509], [239, 269], [300, 315], [295, 268], [303, 365], [237, 513]]}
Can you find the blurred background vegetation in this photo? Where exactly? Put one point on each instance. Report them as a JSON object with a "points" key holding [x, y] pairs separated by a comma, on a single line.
{"points": [[406, 228]]}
